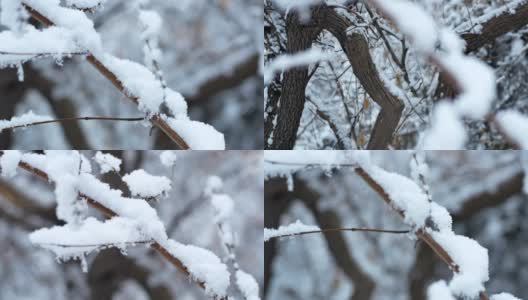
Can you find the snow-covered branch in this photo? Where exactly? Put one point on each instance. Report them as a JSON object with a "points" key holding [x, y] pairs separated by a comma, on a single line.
{"points": [[130, 220], [71, 31], [431, 223]]}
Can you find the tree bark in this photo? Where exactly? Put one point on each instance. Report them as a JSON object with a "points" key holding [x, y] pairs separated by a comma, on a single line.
{"points": [[357, 50], [291, 104]]}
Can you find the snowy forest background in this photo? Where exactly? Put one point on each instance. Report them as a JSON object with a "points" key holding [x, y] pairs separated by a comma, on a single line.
{"points": [[362, 78], [27, 203], [483, 191], [210, 55]]}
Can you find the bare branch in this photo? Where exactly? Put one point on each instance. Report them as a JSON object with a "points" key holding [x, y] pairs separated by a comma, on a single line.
{"points": [[74, 119], [374, 230]]}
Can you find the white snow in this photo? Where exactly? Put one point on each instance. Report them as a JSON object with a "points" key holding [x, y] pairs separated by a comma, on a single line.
{"points": [[198, 135], [74, 32], [203, 265], [107, 162], [176, 104], [284, 163], [23, 120], [11, 15], [53, 42], [135, 221], [213, 185], [288, 61], [447, 131], [138, 81], [294, 228], [223, 205], [72, 241], [439, 291], [247, 285], [168, 158], [151, 22], [474, 79], [413, 21], [471, 258], [504, 296], [145, 185], [80, 25], [515, 125], [9, 162], [405, 194]]}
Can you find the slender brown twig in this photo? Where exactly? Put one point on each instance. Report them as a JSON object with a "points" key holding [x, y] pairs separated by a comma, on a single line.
{"points": [[329, 230], [73, 119]]}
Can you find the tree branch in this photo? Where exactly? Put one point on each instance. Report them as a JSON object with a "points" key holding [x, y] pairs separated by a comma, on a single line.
{"points": [[110, 213], [329, 230], [156, 119], [74, 119]]}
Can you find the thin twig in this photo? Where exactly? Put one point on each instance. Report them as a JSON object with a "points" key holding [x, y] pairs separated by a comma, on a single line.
{"points": [[342, 229], [95, 245], [74, 119]]}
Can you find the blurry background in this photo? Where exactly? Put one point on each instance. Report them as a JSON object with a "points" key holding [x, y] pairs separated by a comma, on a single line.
{"points": [[210, 55], [27, 203], [483, 191]]}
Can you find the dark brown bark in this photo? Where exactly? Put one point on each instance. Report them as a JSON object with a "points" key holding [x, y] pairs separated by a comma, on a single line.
{"points": [[300, 38], [111, 268], [421, 272], [356, 48], [495, 27], [276, 203], [500, 194], [12, 92]]}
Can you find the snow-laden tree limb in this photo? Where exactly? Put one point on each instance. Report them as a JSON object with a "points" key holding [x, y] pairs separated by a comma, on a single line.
{"points": [[71, 31], [431, 222], [131, 220]]}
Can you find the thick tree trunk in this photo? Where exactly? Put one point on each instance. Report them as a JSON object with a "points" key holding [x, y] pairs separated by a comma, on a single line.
{"points": [[291, 104]]}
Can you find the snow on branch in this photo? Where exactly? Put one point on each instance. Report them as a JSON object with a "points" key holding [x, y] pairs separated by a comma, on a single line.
{"points": [[107, 162], [224, 205], [22, 121], [515, 125], [71, 31], [473, 79], [53, 41], [288, 61], [431, 223], [131, 220], [144, 185], [293, 229]]}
